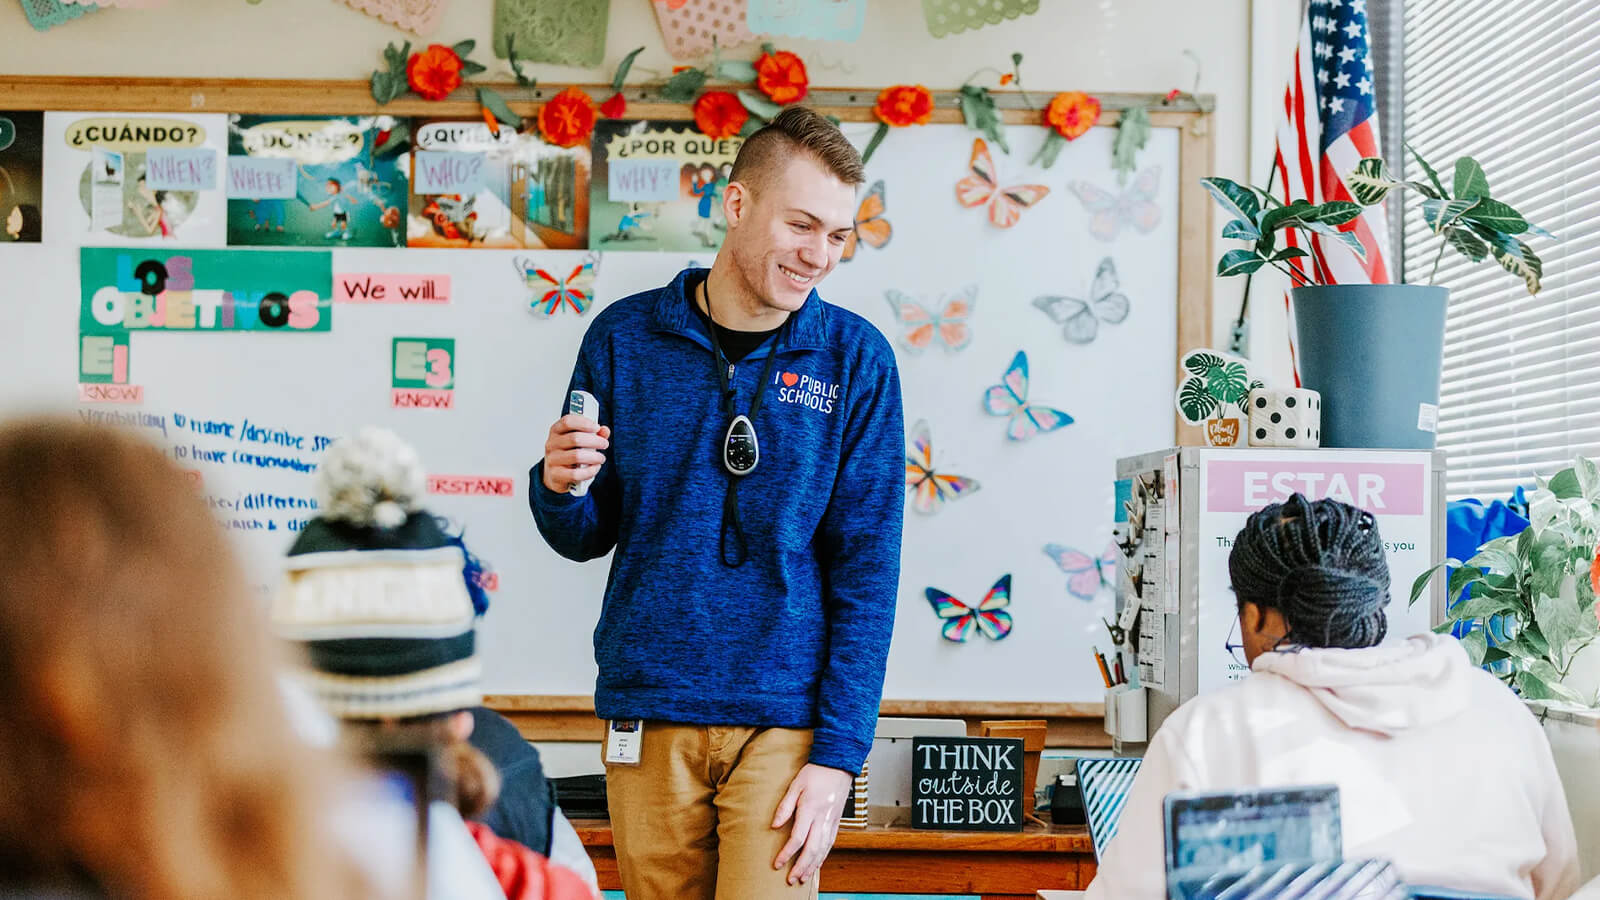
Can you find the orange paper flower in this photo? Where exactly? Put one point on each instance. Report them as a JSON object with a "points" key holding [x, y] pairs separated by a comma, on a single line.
{"points": [[1007, 78], [435, 72], [719, 114], [568, 119], [904, 104], [1072, 113], [614, 107], [781, 76], [1594, 580]]}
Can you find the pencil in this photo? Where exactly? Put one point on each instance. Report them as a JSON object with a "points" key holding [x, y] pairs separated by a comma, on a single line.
{"points": [[1105, 673]]}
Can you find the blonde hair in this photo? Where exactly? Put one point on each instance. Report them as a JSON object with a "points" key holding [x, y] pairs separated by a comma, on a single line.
{"points": [[144, 740]]}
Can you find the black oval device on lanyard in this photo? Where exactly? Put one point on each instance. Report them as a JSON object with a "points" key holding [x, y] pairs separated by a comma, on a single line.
{"points": [[741, 449]]}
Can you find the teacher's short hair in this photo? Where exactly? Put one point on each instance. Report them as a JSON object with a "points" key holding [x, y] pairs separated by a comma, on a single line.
{"points": [[797, 129]]}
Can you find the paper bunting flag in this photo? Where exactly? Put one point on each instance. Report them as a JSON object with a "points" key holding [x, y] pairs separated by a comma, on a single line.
{"points": [[416, 16], [687, 26], [125, 4], [563, 32], [43, 14], [946, 17], [817, 20]]}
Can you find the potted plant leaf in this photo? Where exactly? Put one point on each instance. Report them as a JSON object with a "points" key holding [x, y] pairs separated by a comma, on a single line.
{"points": [[1530, 602], [1373, 351]]}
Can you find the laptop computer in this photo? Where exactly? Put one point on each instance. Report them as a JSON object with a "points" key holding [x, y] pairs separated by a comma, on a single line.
{"points": [[1211, 833]]}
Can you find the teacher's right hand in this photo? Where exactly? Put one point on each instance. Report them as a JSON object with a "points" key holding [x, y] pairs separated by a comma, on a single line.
{"points": [[572, 452]]}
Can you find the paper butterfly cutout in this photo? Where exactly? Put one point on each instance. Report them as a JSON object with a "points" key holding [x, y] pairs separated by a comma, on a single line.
{"points": [[1134, 206], [922, 328], [989, 616], [575, 292], [1010, 398], [983, 186], [931, 489], [1080, 319], [871, 226], [1088, 574]]}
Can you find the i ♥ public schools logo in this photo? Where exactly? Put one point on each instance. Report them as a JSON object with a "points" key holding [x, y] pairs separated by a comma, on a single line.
{"points": [[806, 391]]}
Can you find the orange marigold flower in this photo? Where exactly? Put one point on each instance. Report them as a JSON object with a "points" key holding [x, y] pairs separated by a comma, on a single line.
{"points": [[1594, 578], [904, 104], [1007, 78], [719, 114], [568, 119], [781, 76], [1072, 113], [435, 72]]}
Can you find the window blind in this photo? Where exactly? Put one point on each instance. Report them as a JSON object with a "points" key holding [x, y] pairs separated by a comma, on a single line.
{"points": [[1513, 84]]}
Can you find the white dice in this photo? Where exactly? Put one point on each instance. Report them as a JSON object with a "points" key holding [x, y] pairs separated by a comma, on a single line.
{"points": [[1285, 418]]}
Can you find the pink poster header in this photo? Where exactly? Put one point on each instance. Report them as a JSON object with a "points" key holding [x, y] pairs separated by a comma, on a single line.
{"points": [[1234, 486], [390, 287]]}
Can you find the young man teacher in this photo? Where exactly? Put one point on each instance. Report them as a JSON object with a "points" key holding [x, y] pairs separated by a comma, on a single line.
{"points": [[746, 466]]}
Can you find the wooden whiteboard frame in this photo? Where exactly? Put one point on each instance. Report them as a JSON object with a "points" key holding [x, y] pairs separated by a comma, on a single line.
{"points": [[571, 718]]}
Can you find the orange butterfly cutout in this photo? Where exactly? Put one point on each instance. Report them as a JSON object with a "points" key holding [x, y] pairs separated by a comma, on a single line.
{"points": [[870, 225], [982, 186]]}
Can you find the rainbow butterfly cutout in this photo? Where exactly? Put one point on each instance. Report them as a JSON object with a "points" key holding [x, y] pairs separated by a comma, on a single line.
{"points": [[931, 489], [1010, 398], [870, 224], [1110, 213], [575, 292], [989, 616], [923, 327], [983, 186], [1080, 319], [1087, 574]]}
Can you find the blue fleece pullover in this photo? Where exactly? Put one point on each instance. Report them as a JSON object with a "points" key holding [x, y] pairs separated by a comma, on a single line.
{"points": [[798, 636]]}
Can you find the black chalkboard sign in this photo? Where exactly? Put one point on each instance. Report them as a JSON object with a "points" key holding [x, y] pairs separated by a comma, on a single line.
{"points": [[966, 784]]}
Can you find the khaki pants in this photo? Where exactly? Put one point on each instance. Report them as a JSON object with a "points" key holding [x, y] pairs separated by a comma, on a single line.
{"points": [[693, 821]]}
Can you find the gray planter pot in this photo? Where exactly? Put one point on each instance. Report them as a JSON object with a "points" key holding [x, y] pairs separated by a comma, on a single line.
{"points": [[1375, 353]]}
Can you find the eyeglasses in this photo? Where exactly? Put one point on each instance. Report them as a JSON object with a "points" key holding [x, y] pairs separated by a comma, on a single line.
{"points": [[1234, 647]]}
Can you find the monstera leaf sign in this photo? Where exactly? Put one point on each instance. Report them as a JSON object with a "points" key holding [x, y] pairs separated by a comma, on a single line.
{"points": [[1213, 394]]}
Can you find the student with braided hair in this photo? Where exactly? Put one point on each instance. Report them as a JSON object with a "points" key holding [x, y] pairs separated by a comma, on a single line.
{"points": [[1440, 768]]}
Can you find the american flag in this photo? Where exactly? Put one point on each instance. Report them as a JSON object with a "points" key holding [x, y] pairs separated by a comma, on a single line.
{"points": [[1330, 123]]}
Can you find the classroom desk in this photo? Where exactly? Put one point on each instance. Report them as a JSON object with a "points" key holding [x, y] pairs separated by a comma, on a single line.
{"points": [[898, 859]]}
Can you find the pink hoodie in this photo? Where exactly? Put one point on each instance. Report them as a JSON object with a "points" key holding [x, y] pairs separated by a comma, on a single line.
{"points": [[1440, 768]]}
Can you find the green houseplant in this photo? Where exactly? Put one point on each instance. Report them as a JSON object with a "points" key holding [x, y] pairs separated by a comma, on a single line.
{"points": [[1530, 606], [1374, 351]]}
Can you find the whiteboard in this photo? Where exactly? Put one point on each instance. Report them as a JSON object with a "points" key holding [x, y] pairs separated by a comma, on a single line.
{"points": [[511, 369]]}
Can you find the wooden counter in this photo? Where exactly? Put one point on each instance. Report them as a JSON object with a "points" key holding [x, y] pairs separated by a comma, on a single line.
{"points": [[898, 859]]}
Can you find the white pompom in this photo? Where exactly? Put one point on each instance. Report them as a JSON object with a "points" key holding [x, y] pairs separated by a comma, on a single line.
{"points": [[388, 514], [373, 478]]}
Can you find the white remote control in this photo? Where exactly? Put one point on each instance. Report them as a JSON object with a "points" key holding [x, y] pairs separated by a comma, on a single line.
{"points": [[582, 403]]}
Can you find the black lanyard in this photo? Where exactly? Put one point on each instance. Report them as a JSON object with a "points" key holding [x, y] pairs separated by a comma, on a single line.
{"points": [[730, 500]]}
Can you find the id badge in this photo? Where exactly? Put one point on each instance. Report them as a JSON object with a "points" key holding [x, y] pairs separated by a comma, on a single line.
{"points": [[624, 739]]}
